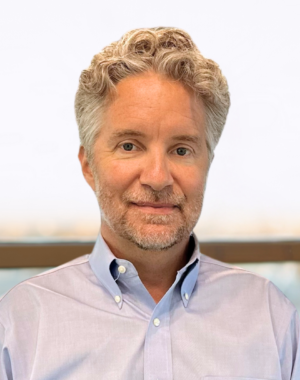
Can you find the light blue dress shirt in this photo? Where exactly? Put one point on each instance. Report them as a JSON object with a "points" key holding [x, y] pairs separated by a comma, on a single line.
{"points": [[92, 318]]}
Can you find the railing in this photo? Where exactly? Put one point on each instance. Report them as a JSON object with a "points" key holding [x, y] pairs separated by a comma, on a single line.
{"points": [[22, 255]]}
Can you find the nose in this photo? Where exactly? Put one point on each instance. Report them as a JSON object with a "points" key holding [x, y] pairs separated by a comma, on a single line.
{"points": [[156, 172]]}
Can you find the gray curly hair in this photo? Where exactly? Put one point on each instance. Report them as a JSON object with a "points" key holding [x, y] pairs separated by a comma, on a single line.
{"points": [[167, 51]]}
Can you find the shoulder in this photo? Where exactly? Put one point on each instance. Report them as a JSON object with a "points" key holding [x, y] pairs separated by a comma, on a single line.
{"points": [[27, 294], [215, 270], [251, 290], [255, 302], [211, 269]]}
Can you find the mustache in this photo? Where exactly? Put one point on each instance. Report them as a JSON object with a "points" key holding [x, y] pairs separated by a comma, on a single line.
{"points": [[155, 196]]}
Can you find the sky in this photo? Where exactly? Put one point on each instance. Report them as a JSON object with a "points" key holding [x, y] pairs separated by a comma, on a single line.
{"points": [[254, 182]]}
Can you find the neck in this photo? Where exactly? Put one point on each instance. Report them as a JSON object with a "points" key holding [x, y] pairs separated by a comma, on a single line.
{"points": [[157, 269]]}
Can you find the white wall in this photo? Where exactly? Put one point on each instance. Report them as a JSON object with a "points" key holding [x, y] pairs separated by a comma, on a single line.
{"points": [[254, 183]]}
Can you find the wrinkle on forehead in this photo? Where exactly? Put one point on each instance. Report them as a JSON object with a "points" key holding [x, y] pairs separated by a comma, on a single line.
{"points": [[151, 100], [146, 83]]}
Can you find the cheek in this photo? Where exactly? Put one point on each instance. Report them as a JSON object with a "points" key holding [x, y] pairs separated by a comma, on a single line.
{"points": [[192, 181], [117, 176]]}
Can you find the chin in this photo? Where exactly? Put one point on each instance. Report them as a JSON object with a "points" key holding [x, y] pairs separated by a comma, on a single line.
{"points": [[150, 232], [155, 237]]}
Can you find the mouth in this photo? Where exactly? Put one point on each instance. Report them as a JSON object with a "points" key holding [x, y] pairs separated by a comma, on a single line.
{"points": [[155, 208]]}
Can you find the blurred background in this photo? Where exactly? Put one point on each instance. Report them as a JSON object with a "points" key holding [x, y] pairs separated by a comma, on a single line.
{"points": [[254, 182]]}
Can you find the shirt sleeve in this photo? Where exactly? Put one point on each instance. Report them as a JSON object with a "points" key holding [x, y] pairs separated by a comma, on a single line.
{"points": [[289, 350], [5, 367], [286, 326]]}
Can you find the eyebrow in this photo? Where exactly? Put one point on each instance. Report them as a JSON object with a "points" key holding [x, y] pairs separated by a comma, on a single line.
{"points": [[134, 133], [188, 138], [127, 133]]}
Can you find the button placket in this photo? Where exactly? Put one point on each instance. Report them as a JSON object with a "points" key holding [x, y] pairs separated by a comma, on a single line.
{"points": [[158, 362]]}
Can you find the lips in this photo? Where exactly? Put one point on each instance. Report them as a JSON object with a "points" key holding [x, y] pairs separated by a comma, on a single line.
{"points": [[155, 205], [155, 208]]}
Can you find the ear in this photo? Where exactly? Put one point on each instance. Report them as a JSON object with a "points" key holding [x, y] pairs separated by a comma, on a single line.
{"points": [[86, 168]]}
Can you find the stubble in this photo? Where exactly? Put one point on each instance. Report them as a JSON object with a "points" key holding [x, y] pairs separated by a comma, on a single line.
{"points": [[149, 231]]}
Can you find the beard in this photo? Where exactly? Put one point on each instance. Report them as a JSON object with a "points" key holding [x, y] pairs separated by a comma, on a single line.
{"points": [[149, 231]]}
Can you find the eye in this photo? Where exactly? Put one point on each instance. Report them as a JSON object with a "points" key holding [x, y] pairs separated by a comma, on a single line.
{"points": [[183, 151], [128, 146]]}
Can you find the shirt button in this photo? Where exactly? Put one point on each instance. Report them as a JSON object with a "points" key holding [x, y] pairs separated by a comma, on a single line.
{"points": [[156, 322], [121, 269], [118, 299], [186, 296]]}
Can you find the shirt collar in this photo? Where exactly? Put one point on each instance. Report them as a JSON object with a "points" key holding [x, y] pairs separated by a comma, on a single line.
{"points": [[105, 266], [100, 261], [190, 272]]}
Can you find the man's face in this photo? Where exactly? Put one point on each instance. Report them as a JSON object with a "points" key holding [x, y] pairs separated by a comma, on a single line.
{"points": [[150, 162]]}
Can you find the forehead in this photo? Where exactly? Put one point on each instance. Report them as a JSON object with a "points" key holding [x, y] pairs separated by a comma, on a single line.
{"points": [[149, 101]]}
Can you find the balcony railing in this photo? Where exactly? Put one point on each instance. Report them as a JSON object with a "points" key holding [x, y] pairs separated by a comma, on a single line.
{"points": [[29, 255]]}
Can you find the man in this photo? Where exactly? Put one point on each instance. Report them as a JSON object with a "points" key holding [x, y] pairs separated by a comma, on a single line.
{"points": [[145, 304]]}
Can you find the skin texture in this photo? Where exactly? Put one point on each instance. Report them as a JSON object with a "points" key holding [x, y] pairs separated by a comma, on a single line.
{"points": [[149, 172]]}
